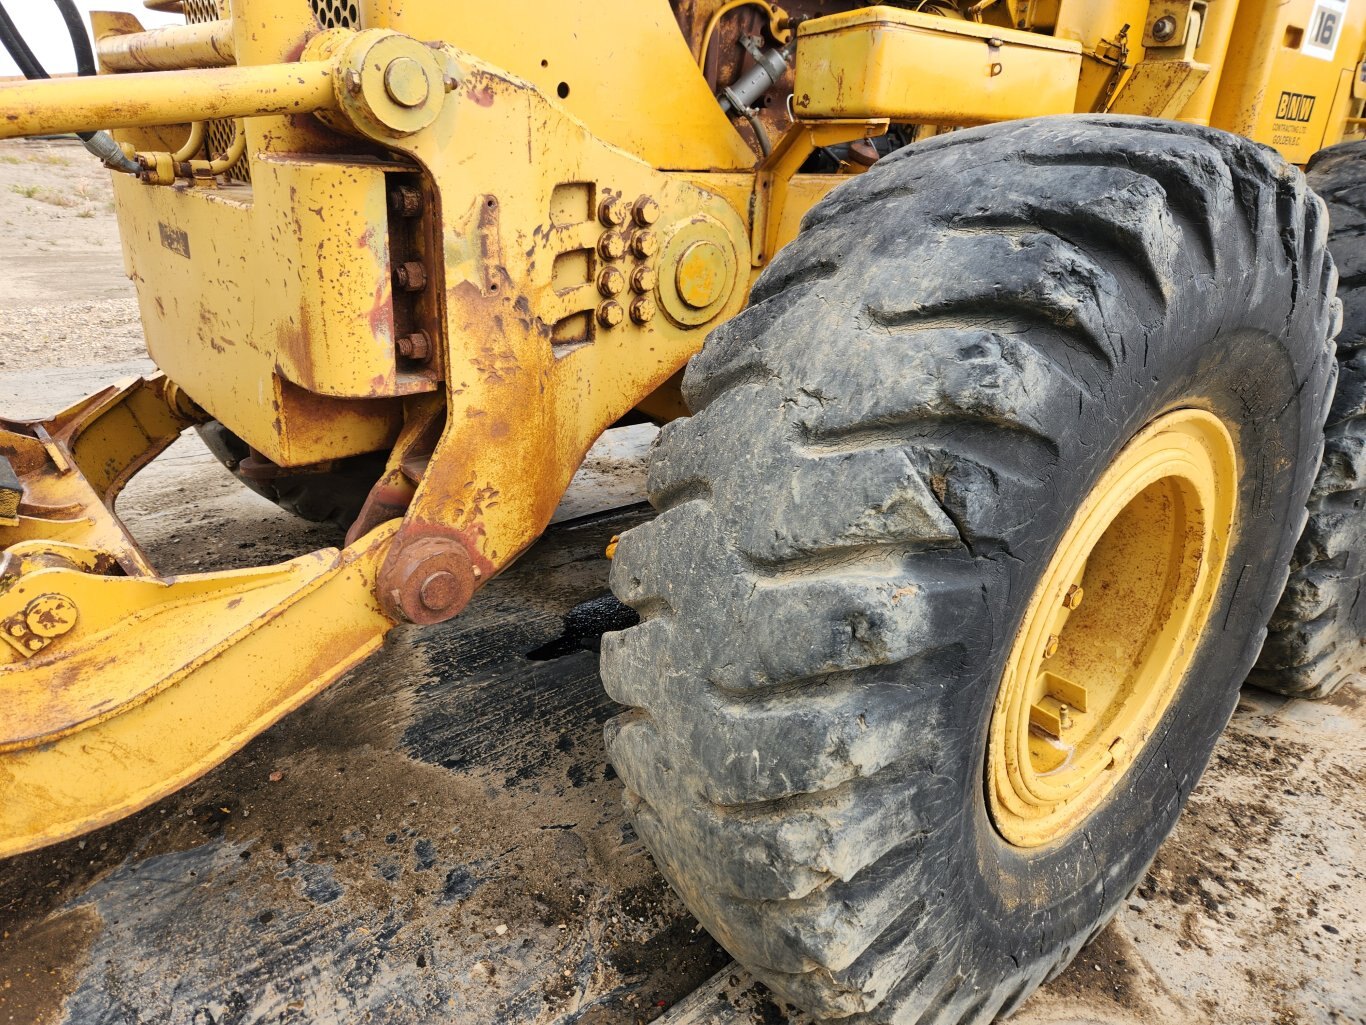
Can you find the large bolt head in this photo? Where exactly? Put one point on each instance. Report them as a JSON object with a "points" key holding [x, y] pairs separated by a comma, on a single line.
{"points": [[439, 591], [50, 615], [612, 212], [643, 279], [427, 581], [645, 211], [645, 244], [406, 82], [701, 276], [643, 309], [611, 282], [610, 313], [612, 246]]}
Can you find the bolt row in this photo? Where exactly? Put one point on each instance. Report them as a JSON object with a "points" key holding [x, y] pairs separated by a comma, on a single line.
{"points": [[642, 243]]}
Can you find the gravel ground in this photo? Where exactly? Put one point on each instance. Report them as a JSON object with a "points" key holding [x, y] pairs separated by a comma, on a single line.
{"points": [[1251, 915]]}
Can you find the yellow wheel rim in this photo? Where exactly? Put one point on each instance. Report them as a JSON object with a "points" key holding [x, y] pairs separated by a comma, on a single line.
{"points": [[1111, 628]]}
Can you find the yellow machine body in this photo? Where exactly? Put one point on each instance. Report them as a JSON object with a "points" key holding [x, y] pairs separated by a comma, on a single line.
{"points": [[474, 241]]}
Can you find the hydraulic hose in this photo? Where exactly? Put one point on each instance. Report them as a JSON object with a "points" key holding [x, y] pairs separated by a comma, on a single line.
{"points": [[101, 144], [18, 48], [80, 41]]}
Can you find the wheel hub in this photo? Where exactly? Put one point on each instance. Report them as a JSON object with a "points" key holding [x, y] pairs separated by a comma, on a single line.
{"points": [[1111, 628]]}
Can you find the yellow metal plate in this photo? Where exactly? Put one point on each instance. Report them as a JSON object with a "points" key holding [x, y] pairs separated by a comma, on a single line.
{"points": [[888, 62]]}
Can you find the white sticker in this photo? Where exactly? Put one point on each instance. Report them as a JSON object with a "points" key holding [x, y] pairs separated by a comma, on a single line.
{"points": [[1325, 29]]}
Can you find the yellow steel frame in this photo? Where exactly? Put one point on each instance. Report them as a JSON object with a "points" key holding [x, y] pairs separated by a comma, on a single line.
{"points": [[582, 214]]}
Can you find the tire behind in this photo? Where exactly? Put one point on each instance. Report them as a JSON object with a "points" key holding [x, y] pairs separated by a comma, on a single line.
{"points": [[1317, 636], [887, 445], [333, 497]]}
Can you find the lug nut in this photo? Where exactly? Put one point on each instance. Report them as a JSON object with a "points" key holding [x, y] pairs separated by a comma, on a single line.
{"points": [[643, 279], [612, 212], [645, 244], [406, 201], [612, 246], [411, 276], [643, 309], [610, 313], [611, 282], [1050, 647], [1072, 599], [417, 345]]}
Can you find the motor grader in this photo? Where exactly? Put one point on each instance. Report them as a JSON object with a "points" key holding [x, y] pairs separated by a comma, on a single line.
{"points": [[1018, 440]]}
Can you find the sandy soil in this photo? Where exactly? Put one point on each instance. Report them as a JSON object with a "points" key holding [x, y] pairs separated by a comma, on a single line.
{"points": [[439, 837]]}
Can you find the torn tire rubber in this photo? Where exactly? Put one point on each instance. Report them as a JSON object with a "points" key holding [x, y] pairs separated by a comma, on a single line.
{"points": [[335, 496], [888, 444], [1317, 635]]}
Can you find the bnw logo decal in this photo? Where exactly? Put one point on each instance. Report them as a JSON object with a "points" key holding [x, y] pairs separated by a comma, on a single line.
{"points": [[1295, 107]]}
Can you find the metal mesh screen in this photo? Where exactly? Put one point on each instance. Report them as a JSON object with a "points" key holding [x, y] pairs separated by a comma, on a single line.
{"points": [[221, 132], [336, 13]]}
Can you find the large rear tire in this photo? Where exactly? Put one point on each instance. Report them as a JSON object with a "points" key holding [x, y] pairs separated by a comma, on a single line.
{"points": [[881, 484], [1317, 636]]}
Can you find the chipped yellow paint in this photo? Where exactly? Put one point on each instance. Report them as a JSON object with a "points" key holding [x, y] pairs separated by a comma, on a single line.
{"points": [[475, 243]]}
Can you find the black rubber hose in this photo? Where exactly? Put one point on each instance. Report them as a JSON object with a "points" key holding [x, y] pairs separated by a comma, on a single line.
{"points": [[29, 64], [80, 41], [18, 49]]}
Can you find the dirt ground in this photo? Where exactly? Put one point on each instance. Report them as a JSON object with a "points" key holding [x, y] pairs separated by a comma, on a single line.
{"points": [[439, 837]]}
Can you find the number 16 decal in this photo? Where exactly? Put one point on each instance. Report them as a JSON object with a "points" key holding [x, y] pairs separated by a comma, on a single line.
{"points": [[1325, 27]]}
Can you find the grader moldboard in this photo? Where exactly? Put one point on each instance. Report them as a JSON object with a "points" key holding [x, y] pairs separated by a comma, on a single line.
{"points": [[1007, 435]]}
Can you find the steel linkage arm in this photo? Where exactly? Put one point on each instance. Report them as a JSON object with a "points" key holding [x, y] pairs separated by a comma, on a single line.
{"points": [[118, 686], [370, 83]]}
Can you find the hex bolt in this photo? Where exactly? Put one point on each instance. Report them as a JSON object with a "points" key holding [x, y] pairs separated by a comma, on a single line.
{"points": [[426, 581], [645, 211], [644, 279], [406, 201], [643, 309], [612, 246], [411, 276], [1164, 28], [417, 345], [612, 212], [645, 244], [610, 313], [353, 82], [1050, 647], [1072, 599], [611, 282]]}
